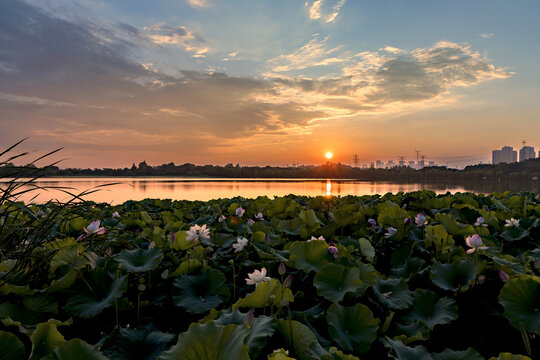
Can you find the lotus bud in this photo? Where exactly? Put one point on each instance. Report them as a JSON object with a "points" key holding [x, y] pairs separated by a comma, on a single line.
{"points": [[172, 238], [288, 281], [503, 276], [282, 269], [152, 245], [108, 251], [372, 222], [333, 250], [537, 263], [141, 287], [250, 317], [407, 221], [267, 239]]}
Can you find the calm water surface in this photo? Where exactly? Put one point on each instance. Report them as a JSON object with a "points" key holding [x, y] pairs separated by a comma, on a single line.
{"points": [[177, 188]]}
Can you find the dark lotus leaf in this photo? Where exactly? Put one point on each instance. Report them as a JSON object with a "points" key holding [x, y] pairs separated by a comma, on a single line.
{"points": [[210, 342], [303, 340], [520, 298], [309, 255], [447, 354], [140, 344], [333, 281], [514, 234], [12, 347], [411, 266], [97, 293], [77, 349], [393, 293], [429, 311], [508, 356], [139, 260], [201, 293], [404, 352], [454, 276], [45, 339], [353, 328]]}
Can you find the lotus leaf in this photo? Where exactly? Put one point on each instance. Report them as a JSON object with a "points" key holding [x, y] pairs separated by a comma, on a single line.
{"points": [[210, 342], [393, 293], [520, 298], [96, 293], [309, 255], [454, 276], [139, 260], [201, 293], [77, 349], [301, 338], [353, 328], [11, 347], [266, 293], [515, 233], [333, 281], [138, 344], [508, 356], [44, 340], [367, 250]]}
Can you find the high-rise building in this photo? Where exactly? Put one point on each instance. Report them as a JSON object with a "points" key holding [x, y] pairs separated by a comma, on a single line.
{"points": [[526, 152], [431, 163], [390, 164], [412, 164], [379, 164], [506, 155]]}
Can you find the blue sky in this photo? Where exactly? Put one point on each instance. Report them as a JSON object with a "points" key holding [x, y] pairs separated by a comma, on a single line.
{"points": [[256, 81]]}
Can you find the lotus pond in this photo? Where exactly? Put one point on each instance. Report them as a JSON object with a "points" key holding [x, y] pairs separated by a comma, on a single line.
{"points": [[405, 276]]}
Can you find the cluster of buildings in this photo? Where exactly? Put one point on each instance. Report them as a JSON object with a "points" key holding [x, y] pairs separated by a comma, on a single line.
{"points": [[379, 164], [508, 155]]}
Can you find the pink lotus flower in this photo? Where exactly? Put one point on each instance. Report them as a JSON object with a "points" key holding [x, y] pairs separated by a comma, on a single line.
{"points": [[197, 232], [115, 214], [372, 222], [391, 232], [151, 245], [407, 221], [94, 228], [222, 218], [319, 238], [503, 276], [334, 251], [257, 277], [480, 222], [240, 212], [250, 222], [475, 243], [259, 216], [420, 220]]}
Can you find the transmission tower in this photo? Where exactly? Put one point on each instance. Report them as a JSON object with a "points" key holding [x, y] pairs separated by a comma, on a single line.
{"points": [[355, 160], [524, 142]]}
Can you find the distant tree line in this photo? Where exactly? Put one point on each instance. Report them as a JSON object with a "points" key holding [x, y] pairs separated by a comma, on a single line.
{"points": [[522, 171]]}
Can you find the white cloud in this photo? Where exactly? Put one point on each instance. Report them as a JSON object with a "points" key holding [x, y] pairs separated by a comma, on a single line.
{"points": [[199, 3], [176, 35], [317, 10], [487, 35]]}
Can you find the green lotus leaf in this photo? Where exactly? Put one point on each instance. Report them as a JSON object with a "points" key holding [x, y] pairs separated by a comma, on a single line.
{"points": [[139, 260], [97, 293], [428, 311], [368, 275], [22, 290], [280, 354], [393, 293], [140, 344], [333, 281], [310, 219], [335, 354], [447, 354], [210, 342], [404, 352], [266, 293], [393, 215], [438, 237], [454, 227], [302, 339], [262, 328], [63, 282], [410, 266], [200, 293], [353, 328], [508, 263], [520, 298], [11, 347], [77, 349], [514, 234], [44, 340], [367, 250], [508, 356], [309, 255], [180, 242], [40, 303], [454, 276]]}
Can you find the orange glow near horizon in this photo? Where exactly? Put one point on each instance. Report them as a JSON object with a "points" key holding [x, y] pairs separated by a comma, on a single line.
{"points": [[328, 155]]}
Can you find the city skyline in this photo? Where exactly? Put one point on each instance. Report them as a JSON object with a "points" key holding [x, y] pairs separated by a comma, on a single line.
{"points": [[268, 83]]}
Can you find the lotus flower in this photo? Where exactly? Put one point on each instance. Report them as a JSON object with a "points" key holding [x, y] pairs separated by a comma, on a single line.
{"points": [[240, 212], [257, 277], [319, 238], [172, 238], [281, 269], [40, 213], [115, 214], [480, 222], [151, 245], [420, 220], [250, 222], [288, 281], [241, 243], [372, 222], [108, 251], [250, 317], [503, 276], [407, 220], [94, 228], [222, 218], [391, 232], [475, 243], [197, 232], [334, 251], [512, 223], [259, 216]]}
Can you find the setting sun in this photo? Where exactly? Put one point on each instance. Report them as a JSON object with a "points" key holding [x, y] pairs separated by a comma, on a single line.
{"points": [[328, 155]]}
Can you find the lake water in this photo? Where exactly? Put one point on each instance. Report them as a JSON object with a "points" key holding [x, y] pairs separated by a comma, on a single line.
{"points": [[138, 188]]}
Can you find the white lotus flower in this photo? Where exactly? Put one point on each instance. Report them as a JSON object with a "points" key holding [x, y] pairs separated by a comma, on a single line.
{"points": [[257, 277], [259, 216], [197, 232], [241, 243], [94, 228], [319, 238], [475, 243], [512, 223], [480, 222]]}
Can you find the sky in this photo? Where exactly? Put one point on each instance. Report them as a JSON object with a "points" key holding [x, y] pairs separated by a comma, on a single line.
{"points": [[268, 82]]}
